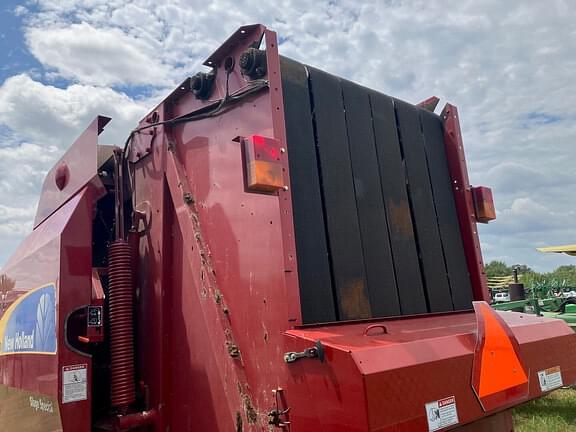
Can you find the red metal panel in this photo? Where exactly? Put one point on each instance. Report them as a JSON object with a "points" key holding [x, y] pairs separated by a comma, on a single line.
{"points": [[154, 280], [75, 291], [416, 361], [58, 251], [226, 249], [81, 164], [464, 202], [292, 292]]}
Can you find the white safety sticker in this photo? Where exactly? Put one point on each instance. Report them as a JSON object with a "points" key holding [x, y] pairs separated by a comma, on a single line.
{"points": [[550, 379], [441, 413], [74, 383]]}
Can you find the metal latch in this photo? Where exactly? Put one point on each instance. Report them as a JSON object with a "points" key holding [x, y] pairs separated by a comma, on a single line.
{"points": [[316, 351]]}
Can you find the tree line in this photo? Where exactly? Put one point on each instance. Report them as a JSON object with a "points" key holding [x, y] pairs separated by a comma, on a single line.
{"points": [[563, 277]]}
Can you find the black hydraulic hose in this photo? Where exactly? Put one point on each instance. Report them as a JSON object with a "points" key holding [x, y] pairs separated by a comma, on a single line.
{"points": [[214, 109]]}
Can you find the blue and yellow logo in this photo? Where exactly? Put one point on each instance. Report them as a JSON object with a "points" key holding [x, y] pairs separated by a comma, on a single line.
{"points": [[29, 324]]}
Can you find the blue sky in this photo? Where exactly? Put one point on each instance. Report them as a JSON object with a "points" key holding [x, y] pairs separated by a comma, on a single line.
{"points": [[16, 56], [508, 66]]}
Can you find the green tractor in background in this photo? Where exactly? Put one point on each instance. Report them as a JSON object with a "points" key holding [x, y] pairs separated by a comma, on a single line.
{"points": [[546, 296]]}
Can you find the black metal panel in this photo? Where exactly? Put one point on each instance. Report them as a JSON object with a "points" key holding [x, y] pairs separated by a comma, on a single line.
{"points": [[459, 278], [370, 205], [339, 198], [316, 292], [376, 226], [400, 225], [423, 210]]}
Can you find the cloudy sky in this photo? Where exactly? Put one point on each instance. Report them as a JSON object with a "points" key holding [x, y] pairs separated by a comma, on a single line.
{"points": [[508, 66]]}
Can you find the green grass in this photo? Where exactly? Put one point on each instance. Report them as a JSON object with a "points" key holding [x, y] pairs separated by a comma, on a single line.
{"points": [[553, 413]]}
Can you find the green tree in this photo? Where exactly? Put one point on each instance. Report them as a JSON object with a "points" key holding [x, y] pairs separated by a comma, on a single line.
{"points": [[565, 274], [497, 268]]}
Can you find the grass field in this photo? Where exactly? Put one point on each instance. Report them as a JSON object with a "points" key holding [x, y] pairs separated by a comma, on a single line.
{"points": [[554, 413]]}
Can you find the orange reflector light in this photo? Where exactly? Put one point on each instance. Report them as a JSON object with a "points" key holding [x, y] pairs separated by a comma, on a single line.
{"points": [[499, 377], [262, 164], [483, 204]]}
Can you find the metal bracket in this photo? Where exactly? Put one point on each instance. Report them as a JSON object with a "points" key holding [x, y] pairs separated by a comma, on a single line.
{"points": [[278, 417], [316, 351], [142, 217]]}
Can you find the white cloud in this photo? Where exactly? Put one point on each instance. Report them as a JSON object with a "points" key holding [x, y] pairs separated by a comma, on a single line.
{"points": [[509, 67], [22, 170], [47, 120], [97, 56], [48, 114], [15, 221]]}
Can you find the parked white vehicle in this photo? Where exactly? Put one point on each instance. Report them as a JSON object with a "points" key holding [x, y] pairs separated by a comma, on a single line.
{"points": [[568, 294], [502, 297]]}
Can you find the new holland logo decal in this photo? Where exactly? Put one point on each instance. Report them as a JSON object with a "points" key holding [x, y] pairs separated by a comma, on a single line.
{"points": [[29, 324]]}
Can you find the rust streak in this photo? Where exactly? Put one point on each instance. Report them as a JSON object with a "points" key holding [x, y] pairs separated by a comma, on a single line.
{"points": [[354, 301]]}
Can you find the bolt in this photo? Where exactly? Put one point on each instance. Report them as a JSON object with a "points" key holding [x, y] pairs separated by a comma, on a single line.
{"points": [[188, 199], [282, 150], [233, 350], [285, 188]]}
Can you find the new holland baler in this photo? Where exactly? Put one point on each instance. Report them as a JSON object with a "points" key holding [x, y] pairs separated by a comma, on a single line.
{"points": [[272, 248]]}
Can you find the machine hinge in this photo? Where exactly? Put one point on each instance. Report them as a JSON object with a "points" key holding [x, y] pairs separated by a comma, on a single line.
{"points": [[316, 351]]}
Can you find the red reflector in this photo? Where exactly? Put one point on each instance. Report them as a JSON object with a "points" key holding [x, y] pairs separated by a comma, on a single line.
{"points": [[499, 377], [266, 148], [262, 164]]}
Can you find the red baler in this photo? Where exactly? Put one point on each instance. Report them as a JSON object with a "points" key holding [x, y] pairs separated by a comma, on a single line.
{"points": [[273, 248]]}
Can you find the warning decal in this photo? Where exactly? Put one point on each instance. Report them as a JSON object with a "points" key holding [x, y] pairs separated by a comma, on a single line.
{"points": [[441, 413], [550, 378], [74, 383]]}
